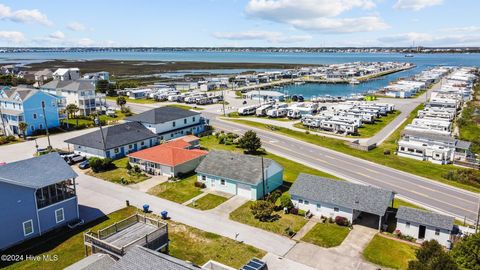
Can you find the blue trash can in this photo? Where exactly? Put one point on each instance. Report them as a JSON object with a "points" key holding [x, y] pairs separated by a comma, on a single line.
{"points": [[164, 214], [145, 208]]}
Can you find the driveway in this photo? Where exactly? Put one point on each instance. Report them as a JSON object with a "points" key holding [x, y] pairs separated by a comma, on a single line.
{"points": [[346, 256], [229, 206]]}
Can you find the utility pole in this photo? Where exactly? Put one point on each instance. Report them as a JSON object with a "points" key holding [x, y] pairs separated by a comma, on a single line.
{"points": [[223, 101], [99, 123], [478, 217], [46, 125]]}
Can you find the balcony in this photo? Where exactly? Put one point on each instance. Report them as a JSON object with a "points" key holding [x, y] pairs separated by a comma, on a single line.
{"points": [[55, 193], [118, 238]]}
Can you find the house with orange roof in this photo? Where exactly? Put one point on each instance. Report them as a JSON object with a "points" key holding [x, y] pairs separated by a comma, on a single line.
{"points": [[169, 159]]}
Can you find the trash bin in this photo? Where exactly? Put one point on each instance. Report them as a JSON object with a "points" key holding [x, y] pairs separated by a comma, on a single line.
{"points": [[145, 208], [164, 214]]}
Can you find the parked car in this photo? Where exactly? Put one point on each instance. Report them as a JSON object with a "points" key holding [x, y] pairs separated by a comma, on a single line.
{"points": [[84, 165], [75, 159]]}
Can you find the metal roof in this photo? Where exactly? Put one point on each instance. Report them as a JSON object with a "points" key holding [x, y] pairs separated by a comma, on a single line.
{"points": [[161, 115], [424, 217], [354, 196], [37, 172]]}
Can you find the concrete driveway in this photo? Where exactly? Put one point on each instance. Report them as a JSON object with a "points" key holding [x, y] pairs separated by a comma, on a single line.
{"points": [[346, 256], [230, 205]]}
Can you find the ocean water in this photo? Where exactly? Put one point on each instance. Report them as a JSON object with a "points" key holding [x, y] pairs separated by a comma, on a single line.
{"points": [[422, 61]]}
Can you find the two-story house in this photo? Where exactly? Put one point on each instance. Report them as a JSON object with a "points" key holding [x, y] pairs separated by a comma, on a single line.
{"points": [[36, 195], [78, 92], [171, 122], [66, 74], [37, 109]]}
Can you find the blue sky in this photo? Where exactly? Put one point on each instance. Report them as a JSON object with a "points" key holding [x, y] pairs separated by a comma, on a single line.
{"points": [[283, 23]]}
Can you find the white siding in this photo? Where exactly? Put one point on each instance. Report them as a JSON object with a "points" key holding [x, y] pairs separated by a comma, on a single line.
{"points": [[322, 209], [414, 228]]}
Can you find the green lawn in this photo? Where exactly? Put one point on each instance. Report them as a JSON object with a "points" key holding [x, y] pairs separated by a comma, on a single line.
{"points": [[83, 123], [469, 123], [208, 201], [244, 215], [185, 107], [177, 191], [191, 244], [398, 202], [65, 243], [389, 253], [291, 168], [369, 130], [326, 235], [120, 172], [139, 101], [236, 115], [421, 168]]}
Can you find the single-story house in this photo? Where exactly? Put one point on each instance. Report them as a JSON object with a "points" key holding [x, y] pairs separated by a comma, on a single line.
{"points": [[114, 141], [331, 198], [170, 122], [425, 225], [37, 195], [240, 174], [169, 159]]}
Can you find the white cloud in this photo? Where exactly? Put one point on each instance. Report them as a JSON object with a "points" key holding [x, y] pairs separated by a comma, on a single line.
{"points": [[76, 26], [424, 39], [84, 42], [416, 5], [12, 37], [317, 15], [57, 35], [273, 37], [464, 29], [24, 15]]}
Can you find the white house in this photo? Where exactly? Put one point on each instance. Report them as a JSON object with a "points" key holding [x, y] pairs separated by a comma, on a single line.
{"points": [[425, 225], [66, 74], [170, 122], [331, 198]]}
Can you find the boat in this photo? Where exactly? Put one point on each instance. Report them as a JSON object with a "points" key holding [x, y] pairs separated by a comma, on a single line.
{"points": [[354, 81], [408, 55]]}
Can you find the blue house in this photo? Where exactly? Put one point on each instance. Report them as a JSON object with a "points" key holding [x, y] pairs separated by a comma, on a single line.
{"points": [[240, 174], [21, 104], [36, 196]]}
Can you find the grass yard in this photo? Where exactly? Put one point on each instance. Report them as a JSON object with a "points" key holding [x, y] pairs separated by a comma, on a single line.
{"points": [[421, 168], [369, 130], [185, 107], [83, 123], [120, 172], [138, 101], [326, 235], [469, 122], [278, 226], [177, 191], [208, 201], [65, 243], [292, 169], [389, 253], [197, 246]]}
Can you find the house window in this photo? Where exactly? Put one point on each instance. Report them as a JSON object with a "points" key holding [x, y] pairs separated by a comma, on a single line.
{"points": [[336, 209], [173, 123], [185, 120], [59, 215], [32, 128], [43, 104], [193, 119], [204, 178], [437, 231], [41, 126], [222, 182], [27, 227], [319, 206], [130, 146], [300, 201], [306, 202], [171, 135], [116, 150], [407, 225], [142, 143], [34, 116]]}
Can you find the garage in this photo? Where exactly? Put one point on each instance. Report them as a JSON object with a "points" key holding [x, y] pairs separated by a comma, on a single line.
{"points": [[244, 191]]}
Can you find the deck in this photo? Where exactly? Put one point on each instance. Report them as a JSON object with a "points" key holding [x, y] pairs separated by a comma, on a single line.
{"points": [[130, 234]]}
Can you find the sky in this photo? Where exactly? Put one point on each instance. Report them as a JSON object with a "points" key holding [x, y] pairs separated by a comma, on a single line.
{"points": [[240, 23]]}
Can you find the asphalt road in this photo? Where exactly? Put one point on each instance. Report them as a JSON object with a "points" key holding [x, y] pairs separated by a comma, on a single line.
{"points": [[430, 194]]}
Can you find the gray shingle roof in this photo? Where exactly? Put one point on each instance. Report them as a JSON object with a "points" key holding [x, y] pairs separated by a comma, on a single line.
{"points": [[37, 172], [428, 135], [96, 261], [115, 136], [463, 145], [161, 115], [425, 217], [354, 196], [72, 85], [243, 168], [140, 258]]}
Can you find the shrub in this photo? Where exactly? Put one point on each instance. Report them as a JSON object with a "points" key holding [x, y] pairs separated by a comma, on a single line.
{"points": [[294, 211], [342, 221], [262, 210], [386, 152], [200, 184], [289, 231], [285, 201], [307, 132], [273, 196], [129, 166], [100, 164], [6, 139], [464, 176]]}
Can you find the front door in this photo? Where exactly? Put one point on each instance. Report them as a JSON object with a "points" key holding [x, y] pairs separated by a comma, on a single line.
{"points": [[421, 232]]}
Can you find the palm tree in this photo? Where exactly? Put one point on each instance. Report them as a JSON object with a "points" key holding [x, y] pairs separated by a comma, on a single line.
{"points": [[22, 126], [72, 109], [121, 101]]}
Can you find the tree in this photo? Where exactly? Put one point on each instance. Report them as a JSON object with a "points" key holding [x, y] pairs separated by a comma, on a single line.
{"points": [[22, 126], [262, 210], [111, 89], [250, 141], [72, 109], [121, 101], [286, 201], [466, 253], [102, 86], [431, 256]]}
